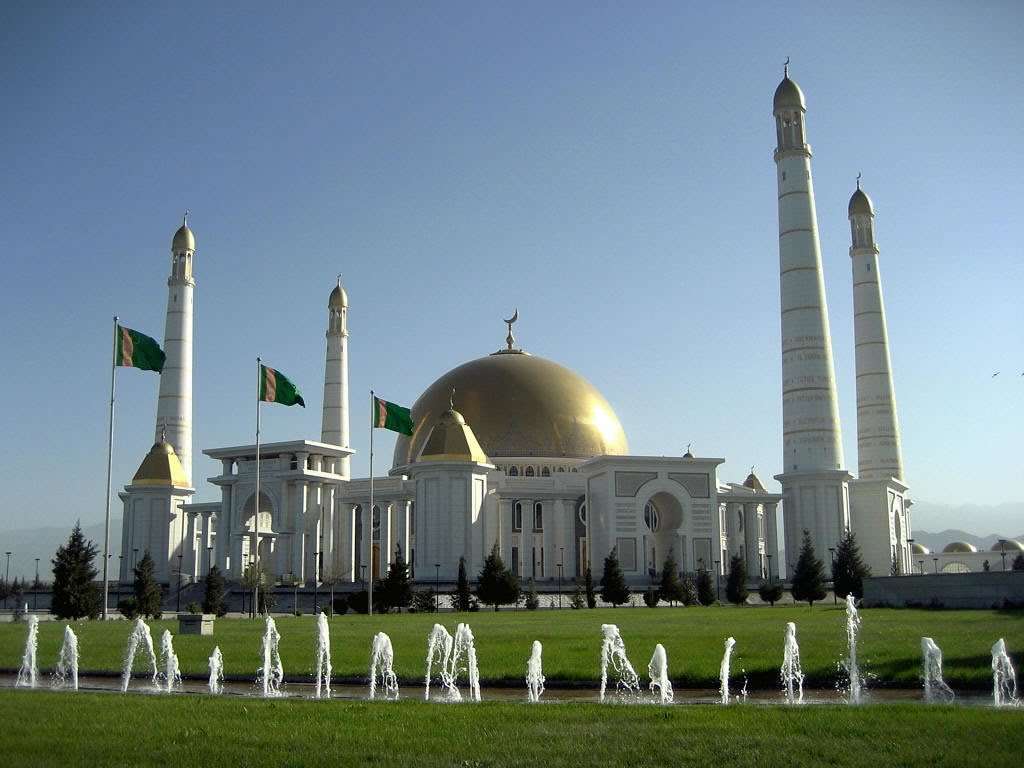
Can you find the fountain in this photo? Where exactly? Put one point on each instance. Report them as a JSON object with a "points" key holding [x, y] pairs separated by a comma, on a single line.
{"points": [[323, 656], [29, 672], [447, 652], [1004, 679], [382, 660], [850, 662], [172, 672], [658, 670], [613, 652], [216, 671], [792, 675], [935, 688], [140, 636], [439, 648], [723, 670], [534, 673], [67, 661], [270, 675]]}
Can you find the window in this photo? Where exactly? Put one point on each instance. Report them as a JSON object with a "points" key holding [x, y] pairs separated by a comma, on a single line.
{"points": [[513, 471], [626, 549], [529, 472], [651, 516], [545, 472], [583, 513], [517, 516], [538, 517]]}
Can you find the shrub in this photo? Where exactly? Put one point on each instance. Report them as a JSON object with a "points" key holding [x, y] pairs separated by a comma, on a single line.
{"points": [[651, 597], [423, 600], [359, 601], [577, 600], [340, 605], [128, 607], [532, 601], [193, 607], [770, 593]]}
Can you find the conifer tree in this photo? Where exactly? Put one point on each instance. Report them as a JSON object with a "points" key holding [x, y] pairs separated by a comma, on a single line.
{"points": [[809, 574], [75, 593], [149, 593], [1018, 562], [461, 596], [736, 582], [689, 592], [849, 569], [213, 593], [671, 588], [705, 587], [613, 583], [396, 591], [770, 592], [532, 602], [588, 581], [577, 600], [496, 585]]}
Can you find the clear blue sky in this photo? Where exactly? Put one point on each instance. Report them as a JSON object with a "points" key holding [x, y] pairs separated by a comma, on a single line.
{"points": [[605, 167]]}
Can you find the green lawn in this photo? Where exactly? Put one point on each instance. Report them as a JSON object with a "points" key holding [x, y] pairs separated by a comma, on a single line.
{"points": [[43, 728], [693, 638]]}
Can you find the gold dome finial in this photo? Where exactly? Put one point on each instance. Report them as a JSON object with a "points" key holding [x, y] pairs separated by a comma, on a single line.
{"points": [[858, 179], [510, 339]]}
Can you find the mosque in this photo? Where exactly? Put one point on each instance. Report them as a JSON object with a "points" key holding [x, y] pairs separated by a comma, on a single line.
{"points": [[514, 450]]}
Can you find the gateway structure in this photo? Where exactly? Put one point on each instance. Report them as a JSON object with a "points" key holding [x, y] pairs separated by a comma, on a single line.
{"points": [[514, 450]]}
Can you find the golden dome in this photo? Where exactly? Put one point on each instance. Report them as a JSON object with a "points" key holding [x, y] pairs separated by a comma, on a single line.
{"points": [[920, 549], [1008, 545], [959, 547], [788, 94], [519, 405], [183, 238], [451, 439], [860, 203], [161, 467], [338, 298], [753, 482]]}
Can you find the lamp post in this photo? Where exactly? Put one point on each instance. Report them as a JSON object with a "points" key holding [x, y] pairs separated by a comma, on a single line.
{"points": [[120, 564], [718, 586], [561, 563], [770, 581], [177, 607], [832, 553], [35, 591], [1002, 552], [936, 561], [920, 566], [437, 582], [316, 582], [7, 578], [362, 581]]}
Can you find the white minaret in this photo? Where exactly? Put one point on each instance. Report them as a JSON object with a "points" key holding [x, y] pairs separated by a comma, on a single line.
{"points": [[813, 478], [174, 406], [334, 427], [878, 434]]}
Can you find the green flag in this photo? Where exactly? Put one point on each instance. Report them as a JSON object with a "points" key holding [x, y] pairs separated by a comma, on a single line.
{"points": [[390, 416], [137, 350], [275, 387]]}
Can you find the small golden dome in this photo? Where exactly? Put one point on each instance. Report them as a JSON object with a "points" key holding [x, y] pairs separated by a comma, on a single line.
{"points": [[919, 549], [860, 203], [160, 467], [519, 405], [788, 95], [753, 482], [338, 299], [451, 439], [183, 238], [959, 547], [1008, 545]]}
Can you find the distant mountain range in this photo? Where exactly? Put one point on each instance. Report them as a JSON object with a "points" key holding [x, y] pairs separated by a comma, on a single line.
{"points": [[936, 541]]}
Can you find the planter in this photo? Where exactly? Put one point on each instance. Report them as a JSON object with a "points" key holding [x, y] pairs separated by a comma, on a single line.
{"points": [[195, 623]]}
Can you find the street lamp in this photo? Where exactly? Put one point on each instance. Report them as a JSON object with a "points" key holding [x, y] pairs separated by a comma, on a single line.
{"points": [[1002, 551], [120, 564], [920, 566], [209, 559], [936, 561], [177, 607], [437, 593], [7, 578], [316, 578], [561, 563], [832, 553], [718, 586], [769, 569], [363, 579], [35, 593]]}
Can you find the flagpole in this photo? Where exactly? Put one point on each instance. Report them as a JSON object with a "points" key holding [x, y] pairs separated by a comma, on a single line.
{"points": [[369, 536], [256, 574], [110, 459]]}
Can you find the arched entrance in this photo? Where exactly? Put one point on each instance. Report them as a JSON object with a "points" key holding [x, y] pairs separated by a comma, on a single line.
{"points": [[663, 519]]}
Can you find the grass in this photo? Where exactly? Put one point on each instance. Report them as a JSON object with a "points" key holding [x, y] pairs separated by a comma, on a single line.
{"points": [[43, 728], [889, 648]]}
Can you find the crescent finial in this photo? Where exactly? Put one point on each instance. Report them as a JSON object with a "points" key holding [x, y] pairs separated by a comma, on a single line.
{"points": [[510, 339], [514, 318], [184, 219], [785, 67], [858, 179]]}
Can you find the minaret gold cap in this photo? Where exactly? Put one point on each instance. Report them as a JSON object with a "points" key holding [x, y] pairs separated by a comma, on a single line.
{"points": [[183, 240]]}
